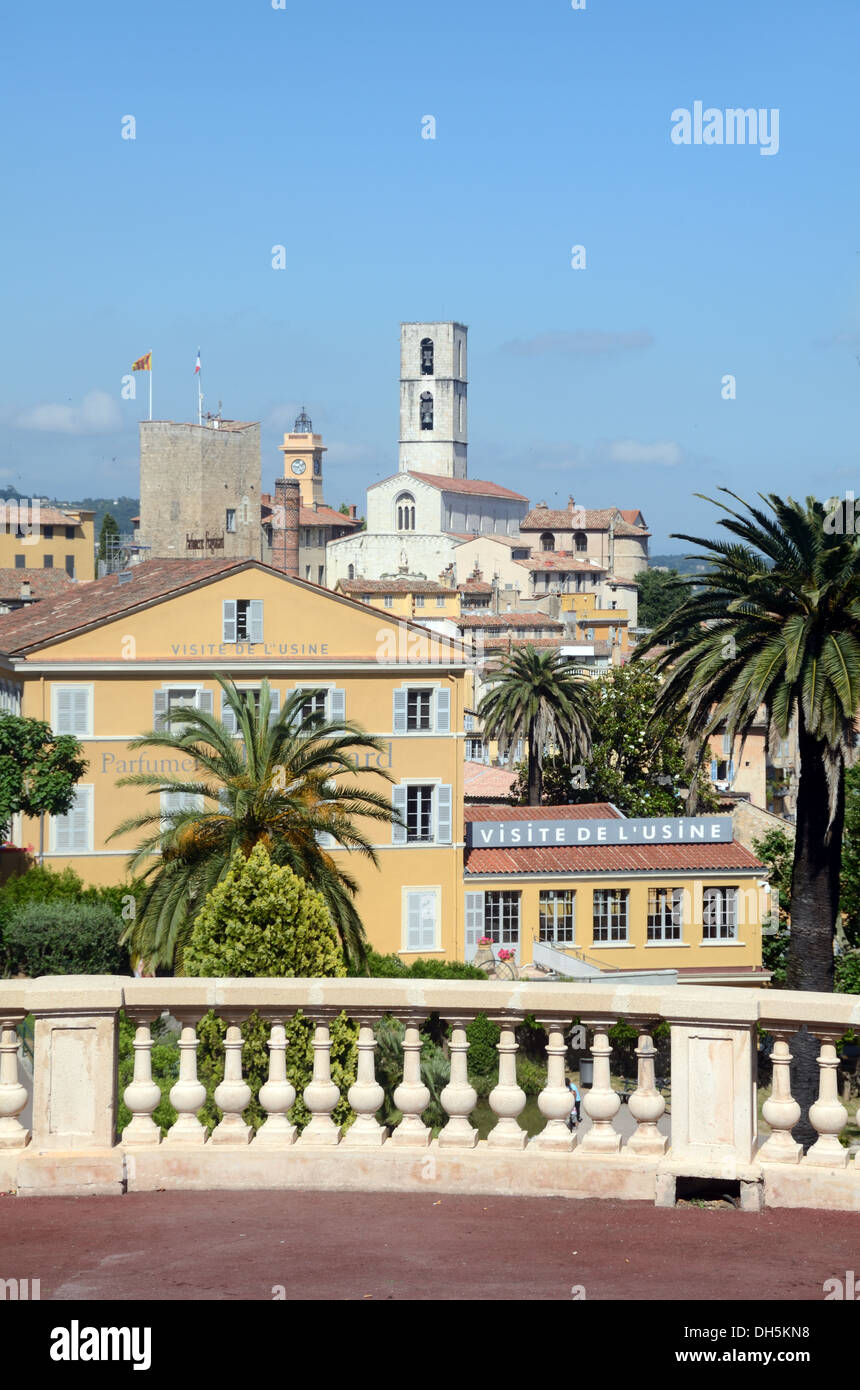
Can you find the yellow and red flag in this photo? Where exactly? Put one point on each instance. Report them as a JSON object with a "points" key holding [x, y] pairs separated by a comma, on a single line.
{"points": [[143, 364]]}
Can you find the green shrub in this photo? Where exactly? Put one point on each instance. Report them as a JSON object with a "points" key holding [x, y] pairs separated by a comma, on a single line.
{"points": [[261, 919], [165, 1070], [847, 973], [64, 938], [483, 1037], [391, 967], [530, 1076]]}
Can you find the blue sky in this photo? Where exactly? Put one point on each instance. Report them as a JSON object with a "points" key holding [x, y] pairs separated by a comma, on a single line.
{"points": [[302, 127]]}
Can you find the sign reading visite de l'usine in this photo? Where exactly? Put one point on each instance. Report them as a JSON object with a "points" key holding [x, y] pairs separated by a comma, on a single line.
{"points": [[674, 830]]}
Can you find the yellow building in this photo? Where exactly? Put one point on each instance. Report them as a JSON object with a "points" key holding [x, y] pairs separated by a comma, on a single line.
{"points": [[405, 597], [106, 662], [597, 624], [36, 536]]}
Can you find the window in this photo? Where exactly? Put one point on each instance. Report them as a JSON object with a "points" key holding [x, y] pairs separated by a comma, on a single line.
{"points": [[665, 914], [727, 745], [426, 809], [547, 541], [72, 710], [426, 410], [70, 566], [404, 510], [250, 693], [720, 914], [175, 803], [421, 916], [502, 917], [419, 600], [367, 598], [314, 707], [476, 750], [317, 465], [242, 620], [556, 915], [426, 356], [47, 562], [320, 574], [350, 572], [389, 600], [178, 697], [440, 602], [329, 703], [230, 524], [20, 562], [73, 832], [610, 914], [48, 533], [422, 709], [70, 533], [580, 542]]}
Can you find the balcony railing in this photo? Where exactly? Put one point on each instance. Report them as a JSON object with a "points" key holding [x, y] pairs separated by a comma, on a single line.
{"points": [[74, 1148]]}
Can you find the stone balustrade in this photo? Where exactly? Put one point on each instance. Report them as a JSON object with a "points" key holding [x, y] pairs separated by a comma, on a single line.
{"points": [[74, 1148]]}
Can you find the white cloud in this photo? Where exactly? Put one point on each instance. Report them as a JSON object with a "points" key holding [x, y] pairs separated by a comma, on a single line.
{"points": [[664, 453], [98, 413], [593, 343]]}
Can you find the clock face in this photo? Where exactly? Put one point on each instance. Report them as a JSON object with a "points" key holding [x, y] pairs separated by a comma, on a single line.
{"points": [[298, 466]]}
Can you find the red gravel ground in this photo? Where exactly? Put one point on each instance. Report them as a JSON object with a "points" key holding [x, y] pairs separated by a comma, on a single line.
{"points": [[324, 1245]]}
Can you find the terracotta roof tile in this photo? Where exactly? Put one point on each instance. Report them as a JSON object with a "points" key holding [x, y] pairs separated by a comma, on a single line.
{"points": [[395, 586], [561, 560], [475, 486], [43, 583], [618, 859], [594, 810], [510, 620], [595, 519], [481, 780]]}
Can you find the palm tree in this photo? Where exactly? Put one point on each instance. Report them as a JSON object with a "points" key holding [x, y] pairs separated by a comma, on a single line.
{"points": [[535, 697], [286, 780], [775, 621]]}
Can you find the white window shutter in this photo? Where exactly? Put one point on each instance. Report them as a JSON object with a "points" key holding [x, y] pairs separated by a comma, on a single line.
{"points": [[443, 710], [324, 839], [159, 709], [205, 701], [420, 920], [229, 620], [72, 831], [63, 704], [400, 711], [337, 705], [398, 801], [474, 923], [255, 625], [444, 807], [275, 706], [228, 715], [413, 921]]}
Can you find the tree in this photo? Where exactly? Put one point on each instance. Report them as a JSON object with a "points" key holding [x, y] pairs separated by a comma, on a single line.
{"points": [[109, 529], [534, 696], [285, 781], [38, 770], [775, 622], [850, 874], [263, 920], [661, 593], [775, 850], [641, 767]]}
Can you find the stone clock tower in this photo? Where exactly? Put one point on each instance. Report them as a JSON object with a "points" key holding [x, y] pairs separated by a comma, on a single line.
{"points": [[303, 460], [433, 427]]}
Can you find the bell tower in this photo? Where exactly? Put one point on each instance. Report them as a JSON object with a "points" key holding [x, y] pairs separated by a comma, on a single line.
{"points": [[303, 459], [433, 425]]}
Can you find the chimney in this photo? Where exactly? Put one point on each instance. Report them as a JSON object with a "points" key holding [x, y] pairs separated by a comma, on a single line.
{"points": [[25, 589], [571, 505], [285, 528], [353, 512]]}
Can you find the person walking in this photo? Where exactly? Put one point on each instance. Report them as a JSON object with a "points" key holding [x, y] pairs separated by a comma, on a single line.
{"points": [[575, 1109]]}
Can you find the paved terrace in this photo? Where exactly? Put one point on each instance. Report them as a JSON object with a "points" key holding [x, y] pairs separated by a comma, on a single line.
{"points": [[374, 1246]]}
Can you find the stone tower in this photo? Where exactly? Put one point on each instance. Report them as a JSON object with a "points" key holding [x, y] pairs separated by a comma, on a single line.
{"points": [[433, 426]]}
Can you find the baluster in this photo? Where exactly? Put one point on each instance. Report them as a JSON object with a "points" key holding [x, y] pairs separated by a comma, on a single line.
{"points": [[233, 1094], [458, 1098], [13, 1095], [365, 1095], [781, 1110], [142, 1094], [321, 1094], [646, 1104], [188, 1094], [507, 1099], [828, 1115], [277, 1095], [412, 1097], [601, 1103], [555, 1100]]}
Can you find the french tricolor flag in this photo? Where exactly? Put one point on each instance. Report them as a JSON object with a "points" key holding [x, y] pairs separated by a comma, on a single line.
{"points": [[197, 366]]}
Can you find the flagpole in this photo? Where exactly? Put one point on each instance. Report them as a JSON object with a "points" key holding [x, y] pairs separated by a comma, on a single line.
{"points": [[199, 392], [150, 387]]}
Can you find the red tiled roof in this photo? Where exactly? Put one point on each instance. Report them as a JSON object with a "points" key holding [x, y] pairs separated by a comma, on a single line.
{"points": [[597, 519], [43, 583], [323, 516], [395, 586], [594, 810], [475, 486], [481, 780], [560, 560], [509, 620], [475, 586], [613, 859], [512, 542]]}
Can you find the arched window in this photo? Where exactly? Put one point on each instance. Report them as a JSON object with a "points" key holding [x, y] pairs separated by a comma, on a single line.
{"points": [[581, 541], [547, 541], [426, 356], [426, 410], [350, 573], [404, 512]]}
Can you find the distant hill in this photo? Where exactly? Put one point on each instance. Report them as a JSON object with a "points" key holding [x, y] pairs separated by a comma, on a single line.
{"points": [[681, 563], [121, 508]]}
